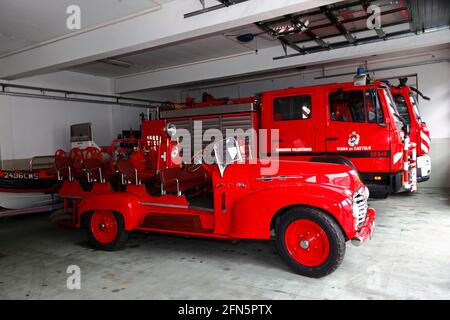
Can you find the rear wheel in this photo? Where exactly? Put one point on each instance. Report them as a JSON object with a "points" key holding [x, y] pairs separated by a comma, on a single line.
{"points": [[310, 241], [106, 230]]}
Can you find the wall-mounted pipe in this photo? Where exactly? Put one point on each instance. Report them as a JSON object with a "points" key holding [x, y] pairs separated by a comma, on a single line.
{"points": [[66, 96]]}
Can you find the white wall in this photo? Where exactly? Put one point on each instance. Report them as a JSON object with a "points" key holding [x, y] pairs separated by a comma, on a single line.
{"points": [[30, 126], [433, 81]]}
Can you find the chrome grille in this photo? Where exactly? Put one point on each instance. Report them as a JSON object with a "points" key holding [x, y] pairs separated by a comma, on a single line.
{"points": [[360, 207]]}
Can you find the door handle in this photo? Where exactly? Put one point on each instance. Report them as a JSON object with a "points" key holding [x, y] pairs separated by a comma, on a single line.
{"points": [[332, 139], [278, 140]]}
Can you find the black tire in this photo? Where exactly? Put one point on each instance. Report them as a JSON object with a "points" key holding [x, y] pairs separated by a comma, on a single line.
{"points": [[117, 243], [333, 233]]}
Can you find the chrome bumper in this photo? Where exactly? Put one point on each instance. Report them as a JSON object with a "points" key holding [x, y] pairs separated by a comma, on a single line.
{"points": [[366, 231]]}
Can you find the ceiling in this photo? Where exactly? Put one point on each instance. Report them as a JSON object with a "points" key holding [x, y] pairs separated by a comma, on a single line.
{"points": [[212, 47], [326, 30], [24, 23], [428, 54]]}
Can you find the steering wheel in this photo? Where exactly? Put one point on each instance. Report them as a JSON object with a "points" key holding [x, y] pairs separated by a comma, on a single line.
{"points": [[76, 158], [195, 167]]}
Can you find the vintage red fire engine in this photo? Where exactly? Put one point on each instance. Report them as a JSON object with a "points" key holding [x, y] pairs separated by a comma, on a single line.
{"points": [[353, 124], [311, 209], [407, 105]]}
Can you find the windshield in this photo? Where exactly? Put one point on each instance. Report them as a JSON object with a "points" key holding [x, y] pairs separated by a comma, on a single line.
{"points": [[393, 108], [227, 152], [402, 107], [415, 105]]}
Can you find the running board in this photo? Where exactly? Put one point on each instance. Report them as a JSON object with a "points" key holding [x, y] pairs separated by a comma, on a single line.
{"points": [[175, 222]]}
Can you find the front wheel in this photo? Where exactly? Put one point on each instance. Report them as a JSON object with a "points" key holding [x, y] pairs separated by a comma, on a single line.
{"points": [[310, 241], [106, 230]]}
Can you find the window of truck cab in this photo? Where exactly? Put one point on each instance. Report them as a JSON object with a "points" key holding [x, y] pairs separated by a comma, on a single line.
{"points": [[292, 108], [355, 106], [402, 107], [393, 108]]}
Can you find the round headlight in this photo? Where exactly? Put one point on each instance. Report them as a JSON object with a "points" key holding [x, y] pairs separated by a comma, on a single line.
{"points": [[171, 130]]}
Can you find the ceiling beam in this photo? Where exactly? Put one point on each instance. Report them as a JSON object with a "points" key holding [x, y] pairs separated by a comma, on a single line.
{"points": [[148, 30], [306, 30], [284, 42], [252, 64], [338, 24]]}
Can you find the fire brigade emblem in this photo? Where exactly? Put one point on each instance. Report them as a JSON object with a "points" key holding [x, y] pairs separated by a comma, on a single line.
{"points": [[353, 139]]}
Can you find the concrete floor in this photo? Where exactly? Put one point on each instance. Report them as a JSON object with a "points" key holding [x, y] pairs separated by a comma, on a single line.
{"points": [[409, 258]]}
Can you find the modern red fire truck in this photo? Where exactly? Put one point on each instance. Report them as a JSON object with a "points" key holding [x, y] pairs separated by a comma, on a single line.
{"points": [[357, 125], [312, 208], [407, 105]]}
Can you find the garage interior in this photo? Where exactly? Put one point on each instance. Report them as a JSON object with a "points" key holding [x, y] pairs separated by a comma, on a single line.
{"points": [[138, 54]]}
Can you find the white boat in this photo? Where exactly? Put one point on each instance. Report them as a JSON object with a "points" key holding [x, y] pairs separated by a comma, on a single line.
{"points": [[25, 200]]}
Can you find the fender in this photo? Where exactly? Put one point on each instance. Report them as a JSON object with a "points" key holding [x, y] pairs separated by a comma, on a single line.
{"points": [[246, 223], [124, 203]]}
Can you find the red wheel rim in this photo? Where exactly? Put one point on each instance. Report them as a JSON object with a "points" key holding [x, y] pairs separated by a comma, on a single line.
{"points": [[307, 242], [104, 226]]}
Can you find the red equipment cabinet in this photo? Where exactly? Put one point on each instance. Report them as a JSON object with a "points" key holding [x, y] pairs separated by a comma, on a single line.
{"points": [[313, 208], [342, 123], [407, 105]]}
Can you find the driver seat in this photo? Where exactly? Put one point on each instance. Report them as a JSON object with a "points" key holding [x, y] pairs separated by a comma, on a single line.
{"points": [[179, 180]]}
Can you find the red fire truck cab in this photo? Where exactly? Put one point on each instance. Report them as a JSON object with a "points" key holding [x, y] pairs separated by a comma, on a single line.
{"points": [[338, 123], [311, 209], [407, 105]]}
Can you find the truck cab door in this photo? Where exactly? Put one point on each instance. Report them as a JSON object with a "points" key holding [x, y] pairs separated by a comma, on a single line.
{"points": [[293, 117], [356, 128]]}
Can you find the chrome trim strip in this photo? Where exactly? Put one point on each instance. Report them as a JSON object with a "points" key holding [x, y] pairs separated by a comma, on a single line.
{"points": [[270, 178], [155, 204], [201, 209]]}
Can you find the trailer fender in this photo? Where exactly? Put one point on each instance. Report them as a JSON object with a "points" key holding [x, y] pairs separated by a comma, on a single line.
{"points": [[126, 204], [252, 215]]}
